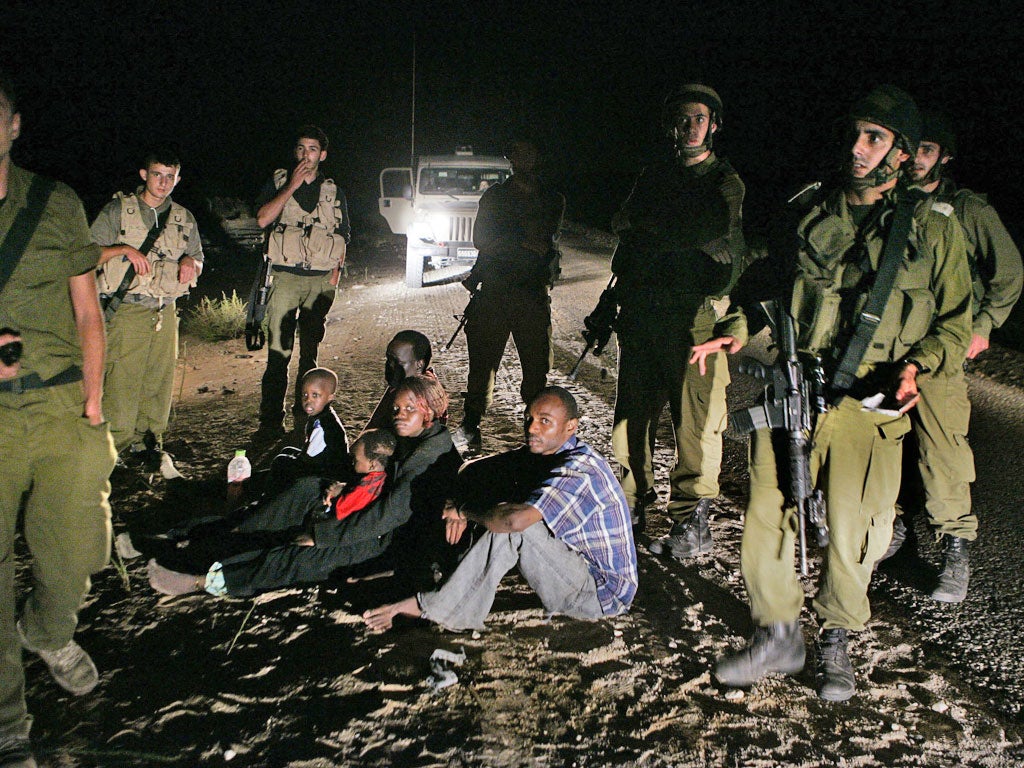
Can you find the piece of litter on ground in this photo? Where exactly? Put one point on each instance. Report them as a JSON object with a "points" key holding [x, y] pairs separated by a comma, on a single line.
{"points": [[441, 676], [167, 468], [940, 707], [123, 546], [734, 694], [229, 754]]}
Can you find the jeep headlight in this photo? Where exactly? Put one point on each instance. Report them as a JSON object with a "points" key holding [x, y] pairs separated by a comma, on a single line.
{"points": [[431, 230]]}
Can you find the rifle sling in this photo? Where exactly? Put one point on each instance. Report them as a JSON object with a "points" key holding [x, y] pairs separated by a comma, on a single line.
{"points": [[114, 301], [871, 314], [24, 226]]}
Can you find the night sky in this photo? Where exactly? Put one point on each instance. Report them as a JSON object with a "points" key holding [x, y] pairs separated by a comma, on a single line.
{"points": [[228, 82]]}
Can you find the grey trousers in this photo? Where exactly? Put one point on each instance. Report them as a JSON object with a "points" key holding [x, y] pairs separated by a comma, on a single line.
{"points": [[559, 575]]}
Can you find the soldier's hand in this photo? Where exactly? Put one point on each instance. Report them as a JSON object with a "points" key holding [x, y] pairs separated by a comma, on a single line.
{"points": [[699, 352], [187, 270], [304, 540], [718, 249], [332, 492], [907, 393], [93, 411], [137, 259], [10, 371], [978, 345], [299, 175]]}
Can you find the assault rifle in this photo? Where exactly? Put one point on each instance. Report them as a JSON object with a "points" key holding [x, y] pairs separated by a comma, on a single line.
{"points": [[598, 325], [791, 403], [256, 308], [463, 317]]}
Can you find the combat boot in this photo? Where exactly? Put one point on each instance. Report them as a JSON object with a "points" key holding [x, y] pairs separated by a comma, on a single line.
{"points": [[899, 535], [956, 572], [638, 514], [834, 672], [467, 436], [778, 647], [689, 538]]}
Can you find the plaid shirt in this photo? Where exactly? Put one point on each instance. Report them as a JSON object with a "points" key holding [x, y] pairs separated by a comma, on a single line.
{"points": [[583, 505]]}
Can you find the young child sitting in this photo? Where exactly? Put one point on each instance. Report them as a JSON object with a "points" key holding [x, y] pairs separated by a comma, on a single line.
{"points": [[370, 454], [325, 451]]}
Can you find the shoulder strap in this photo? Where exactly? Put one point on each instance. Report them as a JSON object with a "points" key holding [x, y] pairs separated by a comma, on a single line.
{"points": [[871, 315], [24, 226], [111, 304]]}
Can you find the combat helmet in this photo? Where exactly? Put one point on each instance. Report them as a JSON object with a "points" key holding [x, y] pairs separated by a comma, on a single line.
{"points": [[892, 108], [690, 93], [938, 129]]}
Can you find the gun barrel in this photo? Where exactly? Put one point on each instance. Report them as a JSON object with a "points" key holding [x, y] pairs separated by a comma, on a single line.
{"points": [[579, 362], [462, 324]]}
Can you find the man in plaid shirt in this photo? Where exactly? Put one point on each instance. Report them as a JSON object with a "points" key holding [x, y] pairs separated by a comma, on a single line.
{"points": [[555, 509]]}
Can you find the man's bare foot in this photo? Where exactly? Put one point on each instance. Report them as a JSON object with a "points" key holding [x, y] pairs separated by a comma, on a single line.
{"points": [[379, 619]]}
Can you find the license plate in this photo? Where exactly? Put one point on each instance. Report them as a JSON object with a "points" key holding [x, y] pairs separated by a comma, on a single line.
{"points": [[466, 253]]}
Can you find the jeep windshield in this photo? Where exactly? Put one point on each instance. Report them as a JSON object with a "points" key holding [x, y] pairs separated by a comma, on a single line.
{"points": [[459, 181]]}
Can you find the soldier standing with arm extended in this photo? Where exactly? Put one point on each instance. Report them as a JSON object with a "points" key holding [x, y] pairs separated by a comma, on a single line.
{"points": [[681, 249], [306, 216], [923, 327], [942, 418], [55, 449], [142, 319], [515, 232]]}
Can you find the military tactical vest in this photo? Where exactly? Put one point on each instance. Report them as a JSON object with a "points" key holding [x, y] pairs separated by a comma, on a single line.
{"points": [[307, 239], [837, 267], [162, 280]]}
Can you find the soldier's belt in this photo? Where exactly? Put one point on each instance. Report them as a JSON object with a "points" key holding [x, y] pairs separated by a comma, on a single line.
{"points": [[33, 381], [147, 302]]}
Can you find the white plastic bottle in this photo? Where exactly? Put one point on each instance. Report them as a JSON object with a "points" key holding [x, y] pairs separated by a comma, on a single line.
{"points": [[239, 470]]}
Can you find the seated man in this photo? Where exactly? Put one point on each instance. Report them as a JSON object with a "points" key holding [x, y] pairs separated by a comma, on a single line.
{"points": [[569, 531]]}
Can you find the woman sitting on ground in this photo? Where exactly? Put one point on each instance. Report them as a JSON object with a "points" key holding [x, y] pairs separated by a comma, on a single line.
{"points": [[407, 515]]}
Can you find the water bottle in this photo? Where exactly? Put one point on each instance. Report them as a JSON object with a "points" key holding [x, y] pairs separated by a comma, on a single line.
{"points": [[239, 470]]}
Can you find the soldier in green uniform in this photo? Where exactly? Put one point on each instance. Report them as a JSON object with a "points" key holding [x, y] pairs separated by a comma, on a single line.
{"points": [[55, 449], [515, 231], [923, 329], [308, 229], [142, 332], [681, 249], [941, 419]]}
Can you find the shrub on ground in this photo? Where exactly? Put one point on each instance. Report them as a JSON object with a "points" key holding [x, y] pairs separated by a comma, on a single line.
{"points": [[217, 319]]}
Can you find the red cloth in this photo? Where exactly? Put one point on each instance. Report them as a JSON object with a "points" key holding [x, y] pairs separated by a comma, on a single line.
{"points": [[359, 496]]}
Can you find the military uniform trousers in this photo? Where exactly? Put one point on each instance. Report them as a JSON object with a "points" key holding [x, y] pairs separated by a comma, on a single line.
{"points": [[855, 460], [946, 461], [653, 369], [526, 316], [294, 302], [51, 453], [142, 349]]}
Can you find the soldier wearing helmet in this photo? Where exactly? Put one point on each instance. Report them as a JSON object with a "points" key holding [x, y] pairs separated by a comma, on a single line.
{"points": [[941, 419], [921, 329], [681, 248]]}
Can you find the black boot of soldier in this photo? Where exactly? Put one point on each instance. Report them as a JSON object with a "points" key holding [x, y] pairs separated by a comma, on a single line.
{"points": [[899, 535], [689, 538], [956, 572], [834, 671], [468, 434], [775, 648], [638, 514]]}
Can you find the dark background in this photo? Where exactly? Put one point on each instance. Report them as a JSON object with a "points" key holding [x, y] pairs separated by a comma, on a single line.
{"points": [[228, 82]]}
